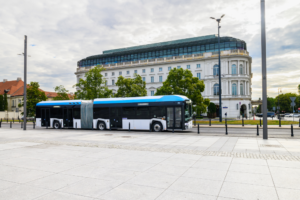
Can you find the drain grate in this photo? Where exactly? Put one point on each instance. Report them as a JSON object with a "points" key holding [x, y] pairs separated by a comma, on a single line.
{"points": [[270, 145], [108, 134], [126, 136]]}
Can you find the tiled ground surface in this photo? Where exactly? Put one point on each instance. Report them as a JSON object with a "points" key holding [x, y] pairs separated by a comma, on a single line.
{"points": [[72, 164]]}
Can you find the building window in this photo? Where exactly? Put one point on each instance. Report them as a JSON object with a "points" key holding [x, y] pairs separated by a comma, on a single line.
{"points": [[216, 89], [105, 74], [160, 79], [233, 69], [113, 82], [152, 79], [199, 76], [169, 68], [152, 69], [105, 82], [216, 70], [152, 93], [198, 65], [234, 92], [113, 94], [113, 73], [188, 66], [135, 71], [144, 79], [127, 72], [13, 102], [144, 70], [120, 73], [160, 69], [241, 69], [242, 89], [178, 67]]}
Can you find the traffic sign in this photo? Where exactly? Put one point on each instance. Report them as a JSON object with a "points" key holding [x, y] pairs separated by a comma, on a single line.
{"points": [[274, 108], [293, 104], [293, 98]]}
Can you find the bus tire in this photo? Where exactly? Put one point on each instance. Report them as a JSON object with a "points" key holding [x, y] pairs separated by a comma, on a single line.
{"points": [[157, 127], [101, 126], [56, 125]]}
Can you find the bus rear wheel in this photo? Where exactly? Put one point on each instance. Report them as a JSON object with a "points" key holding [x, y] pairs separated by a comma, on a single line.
{"points": [[157, 127], [56, 125], [101, 126]]}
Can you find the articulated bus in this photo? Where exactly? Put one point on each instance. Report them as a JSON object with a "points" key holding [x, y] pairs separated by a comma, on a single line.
{"points": [[158, 113]]}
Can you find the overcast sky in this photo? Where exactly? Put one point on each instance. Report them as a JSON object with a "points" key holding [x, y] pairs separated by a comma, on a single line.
{"points": [[62, 32]]}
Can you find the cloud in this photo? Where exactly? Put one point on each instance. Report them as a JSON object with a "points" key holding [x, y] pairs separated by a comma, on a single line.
{"points": [[60, 33]]}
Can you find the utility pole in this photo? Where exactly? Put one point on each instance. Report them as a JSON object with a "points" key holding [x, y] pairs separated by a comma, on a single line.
{"points": [[264, 70], [25, 83]]}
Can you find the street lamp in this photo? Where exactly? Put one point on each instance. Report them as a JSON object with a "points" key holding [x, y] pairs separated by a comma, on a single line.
{"points": [[220, 84], [25, 81], [278, 108]]}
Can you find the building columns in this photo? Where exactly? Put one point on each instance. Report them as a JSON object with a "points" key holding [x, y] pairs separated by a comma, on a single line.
{"points": [[238, 88]]}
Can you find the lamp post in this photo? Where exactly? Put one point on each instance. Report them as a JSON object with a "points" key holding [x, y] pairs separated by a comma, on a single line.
{"points": [[220, 84], [278, 108], [264, 69], [25, 81]]}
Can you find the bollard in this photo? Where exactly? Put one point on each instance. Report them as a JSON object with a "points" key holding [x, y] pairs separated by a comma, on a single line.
{"points": [[46, 125], [7, 120], [257, 132], [226, 129], [10, 124], [280, 122], [260, 122], [209, 121], [129, 126], [13, 120], [242, 121], [198, 128], [292, 131], [19, 120], [33, 124], [22, 125], [299, 122], [0, 124]]}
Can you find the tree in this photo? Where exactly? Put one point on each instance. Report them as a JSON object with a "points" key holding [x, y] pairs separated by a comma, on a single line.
{"points": [[299, 89], [211, 109], [270, 103], [5, 103], [93, 86], [1, 103], [34, 96], [131, 87], [285, 102], [62, 93], [182, 82]]}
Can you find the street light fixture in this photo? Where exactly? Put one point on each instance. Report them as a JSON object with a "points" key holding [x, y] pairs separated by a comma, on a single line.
{"points": [[220, 83]]}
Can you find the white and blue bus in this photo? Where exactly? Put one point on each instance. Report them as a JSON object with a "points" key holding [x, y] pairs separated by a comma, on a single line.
{"points": [[159, 113]]}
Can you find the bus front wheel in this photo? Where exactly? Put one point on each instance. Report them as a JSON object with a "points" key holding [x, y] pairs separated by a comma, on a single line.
{"points": [[101, 126], [157, 127]]}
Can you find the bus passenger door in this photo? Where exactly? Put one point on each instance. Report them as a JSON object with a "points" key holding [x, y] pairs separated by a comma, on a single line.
{"points": [[68, 117], [45, 117], [115, 117], [174, 118]]}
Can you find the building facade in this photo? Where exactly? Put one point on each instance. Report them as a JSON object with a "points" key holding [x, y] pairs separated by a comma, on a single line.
{"points": [[199, 55]]}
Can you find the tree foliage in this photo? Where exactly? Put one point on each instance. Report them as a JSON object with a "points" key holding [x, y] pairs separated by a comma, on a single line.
{"points": [[299, 89], [285, 102], [93, 86], [270, 103], [1, 103], [62, 93], [131, 87], [5, 103], [182, 82], [34, 96], [211, 108]]}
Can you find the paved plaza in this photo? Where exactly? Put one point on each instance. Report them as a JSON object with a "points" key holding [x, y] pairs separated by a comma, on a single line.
{"points": [[47, 164]]}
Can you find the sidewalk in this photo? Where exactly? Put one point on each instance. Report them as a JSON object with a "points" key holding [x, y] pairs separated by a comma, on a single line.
{"points": [[295, 126]]}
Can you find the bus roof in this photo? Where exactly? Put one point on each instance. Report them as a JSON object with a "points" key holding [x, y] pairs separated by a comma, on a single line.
{"points": [[146, 99]]}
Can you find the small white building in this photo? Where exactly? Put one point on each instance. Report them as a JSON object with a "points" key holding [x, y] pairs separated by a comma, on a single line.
{"points": [[200, 55]]}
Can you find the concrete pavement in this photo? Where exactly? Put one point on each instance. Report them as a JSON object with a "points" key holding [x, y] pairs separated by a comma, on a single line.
{"points": [[82, 164]]}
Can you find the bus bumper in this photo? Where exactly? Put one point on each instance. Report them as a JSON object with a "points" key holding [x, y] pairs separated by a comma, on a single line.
{"points": [[189, 125]]}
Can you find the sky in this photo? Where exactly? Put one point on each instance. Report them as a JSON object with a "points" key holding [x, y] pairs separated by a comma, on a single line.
{"points": [[62, 32]]}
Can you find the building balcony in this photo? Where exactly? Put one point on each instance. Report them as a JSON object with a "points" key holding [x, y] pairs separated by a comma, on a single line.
{"points": [[228, 76], [227, 96], [165, 60]]}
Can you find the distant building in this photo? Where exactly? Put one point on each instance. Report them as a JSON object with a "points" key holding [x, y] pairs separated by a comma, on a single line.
{"points": [[199, 55], [15, 94]]}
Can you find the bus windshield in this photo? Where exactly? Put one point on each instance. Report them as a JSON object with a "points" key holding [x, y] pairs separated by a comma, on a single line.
{"points": [[188, 111]]}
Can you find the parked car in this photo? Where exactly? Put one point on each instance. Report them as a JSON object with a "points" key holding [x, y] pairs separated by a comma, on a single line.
{"points": [[28, 118], [293, 115], [286, 114], [269, 114]]}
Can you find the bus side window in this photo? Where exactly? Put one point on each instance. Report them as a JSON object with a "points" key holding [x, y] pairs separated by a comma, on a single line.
{"points": [[157, 111], [101, 113], [76, 113], [129, 112], [56, 113], [142, 113]]}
